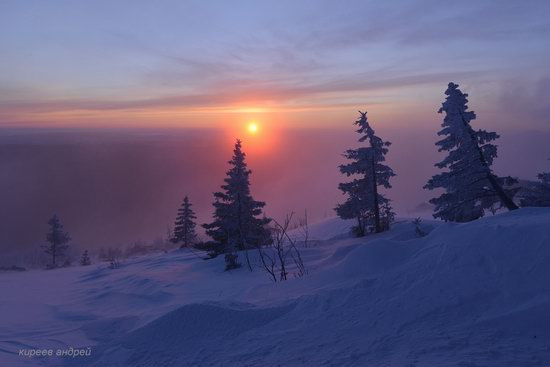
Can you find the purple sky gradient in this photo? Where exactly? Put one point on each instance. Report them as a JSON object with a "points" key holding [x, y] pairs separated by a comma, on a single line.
{"points": [[138, 63]]}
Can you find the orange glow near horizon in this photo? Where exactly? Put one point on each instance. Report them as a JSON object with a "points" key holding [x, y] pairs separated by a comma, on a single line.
{"points": [[258, 124], [258, 135], [59, 115]]}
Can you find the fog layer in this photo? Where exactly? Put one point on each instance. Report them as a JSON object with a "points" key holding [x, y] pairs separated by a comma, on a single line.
{"points": [[111, 188]]}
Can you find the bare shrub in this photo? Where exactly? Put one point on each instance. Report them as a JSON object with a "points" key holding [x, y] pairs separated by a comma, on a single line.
{"points": [[275, 258]]}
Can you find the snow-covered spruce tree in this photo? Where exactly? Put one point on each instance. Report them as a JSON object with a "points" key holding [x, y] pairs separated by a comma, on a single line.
{"points": [[85, 259], [184, 228], [57, 239], [539, 193], [469, 183], [365, 202], [545, 182], [238, 222], [544, 177]]}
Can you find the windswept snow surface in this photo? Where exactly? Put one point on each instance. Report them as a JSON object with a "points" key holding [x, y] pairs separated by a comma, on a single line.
{"points": [[474, 294]]}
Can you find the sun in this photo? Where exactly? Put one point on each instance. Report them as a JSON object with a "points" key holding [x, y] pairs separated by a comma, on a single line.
{"points": [[252, 128]]}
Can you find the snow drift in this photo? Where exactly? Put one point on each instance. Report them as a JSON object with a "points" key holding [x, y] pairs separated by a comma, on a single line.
{"points": [[474, 294]]}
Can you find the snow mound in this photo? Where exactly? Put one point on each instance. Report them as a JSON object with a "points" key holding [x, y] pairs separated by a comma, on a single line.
{"points": [[190, 334], [327, 229]]}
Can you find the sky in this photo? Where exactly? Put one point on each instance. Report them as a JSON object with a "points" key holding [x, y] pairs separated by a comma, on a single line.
{"points": [[112, 111], [294, 63]]}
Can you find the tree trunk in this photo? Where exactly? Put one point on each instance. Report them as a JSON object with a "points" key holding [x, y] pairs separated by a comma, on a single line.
{"points": [[242, 238], [504, 199], [360, 227], [376, 208]]}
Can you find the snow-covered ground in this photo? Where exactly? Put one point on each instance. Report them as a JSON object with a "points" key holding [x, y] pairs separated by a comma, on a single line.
{"points": [[474, 294]]}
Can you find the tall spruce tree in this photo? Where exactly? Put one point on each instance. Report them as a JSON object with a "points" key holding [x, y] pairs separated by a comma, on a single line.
{"points": [[57, 239], [238, 222], [184, 228], [365, 202], [469, 183]]}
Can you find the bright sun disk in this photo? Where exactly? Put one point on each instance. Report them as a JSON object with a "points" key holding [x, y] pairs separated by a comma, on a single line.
{"points": [[252, 128]]}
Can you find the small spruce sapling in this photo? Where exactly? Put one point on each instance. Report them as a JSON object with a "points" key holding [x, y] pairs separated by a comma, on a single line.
{"points": [[539, 193], [85, 259], [417, 229], [57, 239], [184, 229]]}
